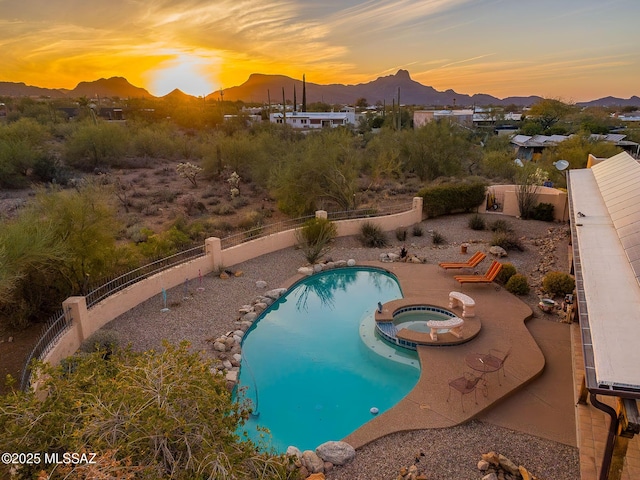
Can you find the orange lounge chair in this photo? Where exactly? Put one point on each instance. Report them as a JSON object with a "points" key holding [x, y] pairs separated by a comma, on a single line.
{"points": [[488, 277], [475, 259]]}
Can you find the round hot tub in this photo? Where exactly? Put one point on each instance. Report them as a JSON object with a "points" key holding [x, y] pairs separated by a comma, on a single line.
{"points": [[408, 323]]}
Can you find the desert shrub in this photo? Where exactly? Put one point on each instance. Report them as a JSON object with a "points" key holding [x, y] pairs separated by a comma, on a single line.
{"points": [[500, 225], [239, 202], [437, 238], [518, 284], [94, 146], [372, 236], [251, 220], [223, 209], [544, 212], [506, 272], [476, 222], [165, 195], [314, 238], [417, 231], [508, 241], [196, 423], [104, 340], [163, 244], [452, 197], [558, 283], [401, 234]]}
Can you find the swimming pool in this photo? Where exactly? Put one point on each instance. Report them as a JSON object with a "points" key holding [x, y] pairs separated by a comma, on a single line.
{"points": [[313, 364]]}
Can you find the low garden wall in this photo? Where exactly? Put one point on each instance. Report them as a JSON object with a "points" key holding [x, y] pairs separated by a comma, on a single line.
{"points": [[506, 201]]}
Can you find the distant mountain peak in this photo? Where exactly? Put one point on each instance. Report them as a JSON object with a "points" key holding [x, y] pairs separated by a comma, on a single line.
{"points": [[403, 74], [109, 87]]}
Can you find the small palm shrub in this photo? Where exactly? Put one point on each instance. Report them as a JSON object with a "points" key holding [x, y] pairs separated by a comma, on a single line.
{"points": [[476, 222], [518, 284], [372, 236], [401, 234], [417, 231], [437, 238], [508, 241], [558, 283], [506, 272], [500, 225], [314, 238]]}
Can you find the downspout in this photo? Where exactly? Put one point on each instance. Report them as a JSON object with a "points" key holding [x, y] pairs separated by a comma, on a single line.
{"points": [[611, 437]]}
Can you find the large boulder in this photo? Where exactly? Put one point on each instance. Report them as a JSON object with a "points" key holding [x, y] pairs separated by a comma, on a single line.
{"points": [[497, 251], [276, 293], [312, 462], [293, 451], [337, 453], [305, 271]]}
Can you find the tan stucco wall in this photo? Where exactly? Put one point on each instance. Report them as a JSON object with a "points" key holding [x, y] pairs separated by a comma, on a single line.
{"points": [[558, 198]]}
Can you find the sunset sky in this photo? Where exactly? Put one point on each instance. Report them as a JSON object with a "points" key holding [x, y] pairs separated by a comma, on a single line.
{"points": [[574, 50]]}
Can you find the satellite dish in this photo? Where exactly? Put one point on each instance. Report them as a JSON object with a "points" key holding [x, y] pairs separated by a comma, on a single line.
{"points": [[518, 162], [561, 165]]}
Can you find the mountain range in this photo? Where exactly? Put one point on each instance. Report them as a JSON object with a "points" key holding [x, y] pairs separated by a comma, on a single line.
{"points": [[261, 88]]}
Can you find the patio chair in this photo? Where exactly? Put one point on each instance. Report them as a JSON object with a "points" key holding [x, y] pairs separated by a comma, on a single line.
{"points": [[496, 358], [488, 277], [475, 259], [466, 384]]}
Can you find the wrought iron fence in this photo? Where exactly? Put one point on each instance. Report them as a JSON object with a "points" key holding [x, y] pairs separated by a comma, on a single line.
{"points": [[133, 276], [263, 231], [369, 212], [52, 330]]}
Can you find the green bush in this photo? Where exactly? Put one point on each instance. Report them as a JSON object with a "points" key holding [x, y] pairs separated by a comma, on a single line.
{"points": [[500, 225], [452, 197], [508, 241], [401, 234], [104, 340], [544, 212], [518, 284], [314, 238], [437, 238], [417, 230], [506, 272], [372, 236], [97, 404], [476, 222], [558, 283]]}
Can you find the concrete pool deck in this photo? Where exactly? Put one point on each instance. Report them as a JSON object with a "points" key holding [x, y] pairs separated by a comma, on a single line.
{"points": [[518, 400]]}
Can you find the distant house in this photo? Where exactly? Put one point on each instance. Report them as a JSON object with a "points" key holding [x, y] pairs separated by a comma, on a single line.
{"points": [[247, 118], [111, 113], [313, 120], [422, 117], [531, 147]]}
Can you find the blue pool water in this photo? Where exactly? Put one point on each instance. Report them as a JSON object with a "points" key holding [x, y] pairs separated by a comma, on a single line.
{"points": [[313, 364]]}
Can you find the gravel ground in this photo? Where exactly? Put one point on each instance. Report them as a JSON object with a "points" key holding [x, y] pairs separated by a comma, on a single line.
{"points": [[449, 453]]}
